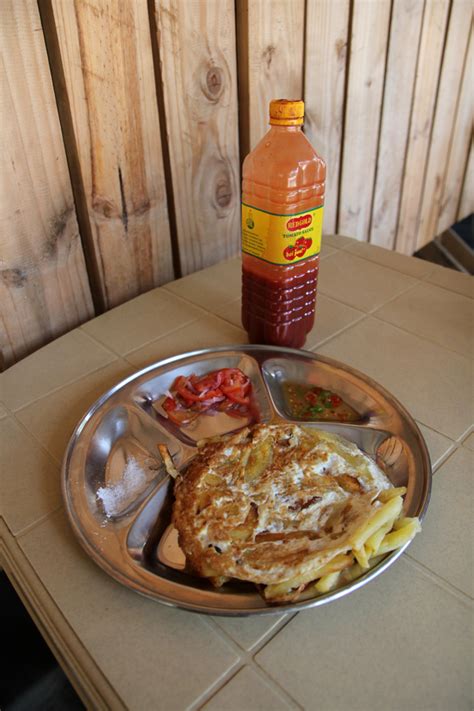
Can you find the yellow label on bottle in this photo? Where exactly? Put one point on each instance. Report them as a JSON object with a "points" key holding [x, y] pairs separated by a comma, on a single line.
{"points": [[281, 239]]}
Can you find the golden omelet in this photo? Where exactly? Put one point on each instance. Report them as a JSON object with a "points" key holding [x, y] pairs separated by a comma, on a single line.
{"points": [[274, 504]]}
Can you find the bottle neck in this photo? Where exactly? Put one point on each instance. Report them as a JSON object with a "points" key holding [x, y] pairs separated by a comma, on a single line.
{"points": [[286, 129]]}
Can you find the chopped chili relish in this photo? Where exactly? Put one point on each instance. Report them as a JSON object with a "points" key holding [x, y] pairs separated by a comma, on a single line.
{"points": [[310, 402], [226, 390]]}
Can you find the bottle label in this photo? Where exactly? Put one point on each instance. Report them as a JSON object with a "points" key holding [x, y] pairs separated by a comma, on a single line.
{"points": [[281, 239]]}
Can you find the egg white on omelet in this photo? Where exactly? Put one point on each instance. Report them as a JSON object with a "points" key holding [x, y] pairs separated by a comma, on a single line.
{"points": [[273, 503]]}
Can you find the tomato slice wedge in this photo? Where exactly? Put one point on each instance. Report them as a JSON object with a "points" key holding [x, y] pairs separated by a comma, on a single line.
{"points": [[225, 390]]}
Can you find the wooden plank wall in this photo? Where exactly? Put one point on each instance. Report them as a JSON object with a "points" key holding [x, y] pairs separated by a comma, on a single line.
{"points": [[126, 123]]}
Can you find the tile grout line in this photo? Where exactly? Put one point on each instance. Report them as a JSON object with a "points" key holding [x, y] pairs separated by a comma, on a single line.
{"points": [[199, 306], [371, 311], [415, 333], [216, 686], [438, 580], [35, 524], [146, 343], [247, 659], [337, 333], [350, 249], [149, 343], [60, 387]]}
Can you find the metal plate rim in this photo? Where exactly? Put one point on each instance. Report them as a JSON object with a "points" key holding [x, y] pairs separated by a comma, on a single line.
{"points": [[125, 580]]}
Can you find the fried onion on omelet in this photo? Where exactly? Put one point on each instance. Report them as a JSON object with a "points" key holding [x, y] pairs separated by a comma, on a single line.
{"points": [[274, 504]]}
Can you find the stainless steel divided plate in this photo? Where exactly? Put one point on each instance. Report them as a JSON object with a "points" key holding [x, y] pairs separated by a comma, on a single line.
{"points": [[121, 514]]}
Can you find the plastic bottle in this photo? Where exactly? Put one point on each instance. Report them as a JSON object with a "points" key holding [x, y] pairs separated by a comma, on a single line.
{"points": [[282, 209]]}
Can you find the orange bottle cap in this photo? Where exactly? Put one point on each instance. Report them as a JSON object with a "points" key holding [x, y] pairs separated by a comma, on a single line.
{"points": [[286, 112]]}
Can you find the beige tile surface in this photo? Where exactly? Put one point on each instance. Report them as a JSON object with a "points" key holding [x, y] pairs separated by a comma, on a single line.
{"points": [[64, 360], [326, 249], [231, 312], [3, 412], [412, 266], [446, 543], [247, 691], [29, 482], [401, 642], [219, 284], [338, 241], [412, 368], [437, 443], [248, 632], [141, 320], [154, 656], [359, 283], [331, 317], [207, 332], [53, 418], [469, 442], [442, 316], [452, 280]]}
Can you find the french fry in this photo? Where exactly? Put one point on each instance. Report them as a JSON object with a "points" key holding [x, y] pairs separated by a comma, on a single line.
{"points": [[387, 494], [167, 461], [388, 511], [397, 539], [327, 582], [339, 562], [361, 557], [372, 544], [404, 521]]}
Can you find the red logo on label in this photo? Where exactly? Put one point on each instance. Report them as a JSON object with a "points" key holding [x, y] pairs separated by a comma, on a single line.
{"points": [[299, 223]]}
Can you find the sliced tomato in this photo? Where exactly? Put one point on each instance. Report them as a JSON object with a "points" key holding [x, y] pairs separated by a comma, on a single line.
{"points": [[238, 398], [182, 417], [189, 396], [169, 404]]}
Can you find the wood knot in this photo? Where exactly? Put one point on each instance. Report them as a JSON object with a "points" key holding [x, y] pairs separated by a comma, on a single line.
{"points": [[104, 207], [213, 84], [223, 192], [267, 55], [13, 277]]}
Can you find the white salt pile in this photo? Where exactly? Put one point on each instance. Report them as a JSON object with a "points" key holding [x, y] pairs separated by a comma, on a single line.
{"points": [[117, 497]]}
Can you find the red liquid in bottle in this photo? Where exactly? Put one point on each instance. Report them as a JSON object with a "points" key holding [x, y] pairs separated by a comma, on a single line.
{"points": [[282, 198]]}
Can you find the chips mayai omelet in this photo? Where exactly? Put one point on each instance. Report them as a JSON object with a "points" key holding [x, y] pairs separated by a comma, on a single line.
{"points": [[284, 506]]}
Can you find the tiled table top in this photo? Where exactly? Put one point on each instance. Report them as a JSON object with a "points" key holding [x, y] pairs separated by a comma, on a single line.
{"points": [[403, 641]]}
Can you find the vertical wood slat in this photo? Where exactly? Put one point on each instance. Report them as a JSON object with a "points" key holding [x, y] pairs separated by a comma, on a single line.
{"points": [[44, 290], [444, 119], [327, 26], [198, 64], [370, 25], [427, 77], [459, 153], [272, 37], [466, 202], [107, 59], [398, 93]]}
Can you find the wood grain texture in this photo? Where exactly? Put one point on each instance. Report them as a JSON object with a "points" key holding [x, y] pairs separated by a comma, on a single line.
{"points": [[459, 152], [198, 64], [368, 49], [427, 77], [327, 27], [273, 38], [466, 203], [404, 39], [444, 119], [106, 53], [44, 290]]}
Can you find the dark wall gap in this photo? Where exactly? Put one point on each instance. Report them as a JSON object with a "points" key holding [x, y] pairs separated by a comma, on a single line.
{"points": [[344, 109], [165, 149], [379, 128], [97, 286]]}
